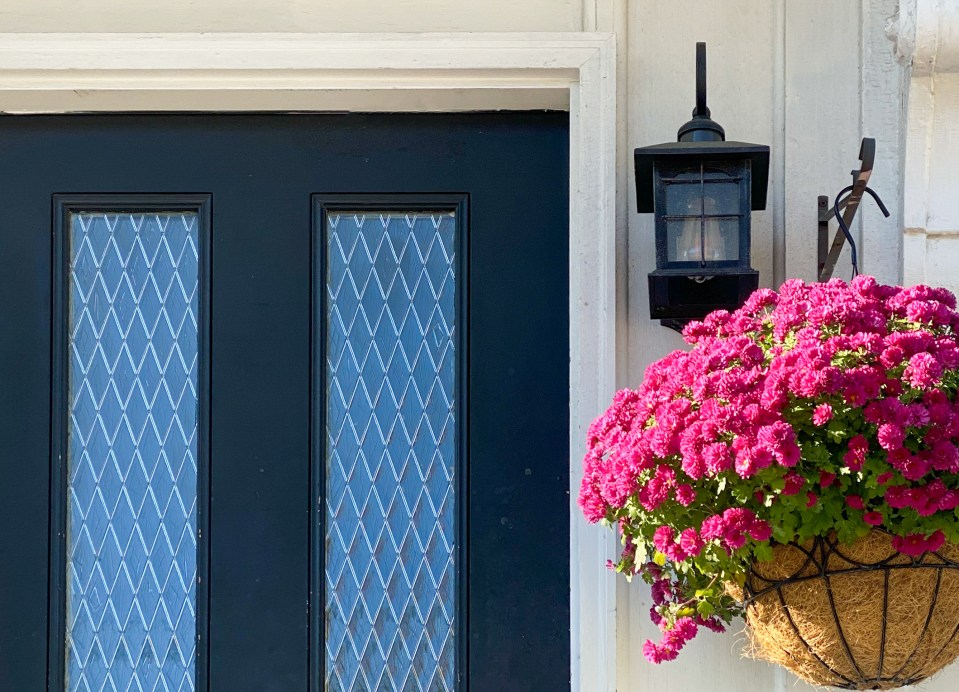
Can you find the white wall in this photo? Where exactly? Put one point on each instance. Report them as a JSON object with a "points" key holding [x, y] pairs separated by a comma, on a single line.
{"points": [[289, 15], [807, 77], [932, 148]]}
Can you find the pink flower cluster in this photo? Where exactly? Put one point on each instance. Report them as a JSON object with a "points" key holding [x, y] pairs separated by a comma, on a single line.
{"points": [[926, 499], [916, 544], [674, 638], [673, 641], [688, 544], [734, 526], [862, 368]]}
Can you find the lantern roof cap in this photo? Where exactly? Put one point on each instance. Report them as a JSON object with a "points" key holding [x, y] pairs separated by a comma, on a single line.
{"points": [[685, 153]]}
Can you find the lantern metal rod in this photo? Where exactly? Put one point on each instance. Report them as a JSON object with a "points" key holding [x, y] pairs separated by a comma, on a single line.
{"points": [[827, 260], [701, 110]]}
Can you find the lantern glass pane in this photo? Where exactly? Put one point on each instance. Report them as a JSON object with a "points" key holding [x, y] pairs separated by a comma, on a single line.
{"points": [[729, 236], [684, 199], [721, 199], [716, 172], [683, 240]]}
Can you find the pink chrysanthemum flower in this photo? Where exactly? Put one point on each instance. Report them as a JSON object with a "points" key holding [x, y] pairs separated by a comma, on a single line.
{"points": [[822, 414]]}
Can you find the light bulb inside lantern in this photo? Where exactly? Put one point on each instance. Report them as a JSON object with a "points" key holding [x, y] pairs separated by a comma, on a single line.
{"points": [[701, 239]]}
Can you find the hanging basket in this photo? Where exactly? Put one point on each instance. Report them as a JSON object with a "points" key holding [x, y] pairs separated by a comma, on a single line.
{"points": [[858, 617]]}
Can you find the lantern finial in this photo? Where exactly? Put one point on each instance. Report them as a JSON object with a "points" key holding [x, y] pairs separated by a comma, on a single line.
{"points": [[701, 128]]}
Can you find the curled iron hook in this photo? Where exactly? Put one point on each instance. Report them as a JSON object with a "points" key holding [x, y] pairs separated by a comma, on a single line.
{"points": [[845, 229]]}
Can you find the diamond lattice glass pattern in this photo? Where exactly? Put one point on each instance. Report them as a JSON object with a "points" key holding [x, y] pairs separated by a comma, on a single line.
{"points": [[391, 452], [131, 536]]}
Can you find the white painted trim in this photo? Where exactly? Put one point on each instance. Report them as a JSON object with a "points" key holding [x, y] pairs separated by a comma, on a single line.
{"points": [[592, 301], [936, 43], [69, 72]]}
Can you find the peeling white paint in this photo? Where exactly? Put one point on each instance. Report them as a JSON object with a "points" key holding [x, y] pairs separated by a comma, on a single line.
{"points": [[901, 30]]}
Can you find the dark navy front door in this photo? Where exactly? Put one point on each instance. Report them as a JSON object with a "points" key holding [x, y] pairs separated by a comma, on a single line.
{"points": [[285, 402]]}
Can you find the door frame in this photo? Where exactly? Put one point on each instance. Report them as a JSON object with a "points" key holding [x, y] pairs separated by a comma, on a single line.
{"points": [[64, 73]]}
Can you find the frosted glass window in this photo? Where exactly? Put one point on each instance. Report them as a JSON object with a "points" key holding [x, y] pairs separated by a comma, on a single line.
{"points": [[391, 451], [132, 452]]}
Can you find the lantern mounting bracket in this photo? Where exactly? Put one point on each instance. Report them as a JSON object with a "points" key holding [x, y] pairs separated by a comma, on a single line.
{"points": [[701, 110], [702, 128]]}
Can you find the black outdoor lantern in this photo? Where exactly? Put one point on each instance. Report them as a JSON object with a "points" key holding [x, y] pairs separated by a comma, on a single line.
{"points": [[702, 190]]}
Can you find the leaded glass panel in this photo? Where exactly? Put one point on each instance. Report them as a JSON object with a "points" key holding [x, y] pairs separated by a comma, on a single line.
{"points": [[391, 451], [132, 451]]}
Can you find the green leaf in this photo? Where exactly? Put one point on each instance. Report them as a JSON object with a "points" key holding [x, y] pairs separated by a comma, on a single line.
{"points": [[763, 552]]}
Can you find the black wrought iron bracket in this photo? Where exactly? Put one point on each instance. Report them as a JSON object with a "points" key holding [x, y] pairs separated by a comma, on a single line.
{"points": [[829, 255]]}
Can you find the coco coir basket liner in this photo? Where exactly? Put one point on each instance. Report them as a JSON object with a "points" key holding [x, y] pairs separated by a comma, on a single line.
{"points": [[858, 617]]}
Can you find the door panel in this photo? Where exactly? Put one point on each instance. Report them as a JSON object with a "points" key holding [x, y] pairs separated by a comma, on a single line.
{"points": [[267, 602]]}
